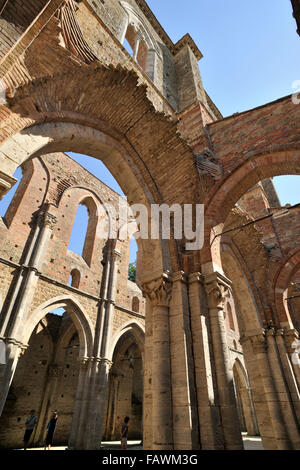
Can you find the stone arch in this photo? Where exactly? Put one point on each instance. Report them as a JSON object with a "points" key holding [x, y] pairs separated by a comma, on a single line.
{"points": [[80, 319], [245, 397], [133, 327], [126, 379], [280, 285], [246, 299], [228, 191], [65, 136]]}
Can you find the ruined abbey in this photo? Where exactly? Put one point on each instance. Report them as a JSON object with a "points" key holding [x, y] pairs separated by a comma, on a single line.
{"points": [[204, 346]]}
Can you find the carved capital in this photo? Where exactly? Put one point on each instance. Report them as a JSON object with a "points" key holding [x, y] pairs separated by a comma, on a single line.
{"points": [[291, 337], [196, 277], [257, 340], [216, 287], [45, 219], [159, 291]]}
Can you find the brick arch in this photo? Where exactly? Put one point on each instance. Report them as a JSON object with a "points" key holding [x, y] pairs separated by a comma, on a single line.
{"points": [[64, 136], [78, 315], [280, 285], [228, 191]]}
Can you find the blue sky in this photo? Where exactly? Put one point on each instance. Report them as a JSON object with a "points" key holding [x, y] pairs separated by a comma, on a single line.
{"points": [[251, 56]]}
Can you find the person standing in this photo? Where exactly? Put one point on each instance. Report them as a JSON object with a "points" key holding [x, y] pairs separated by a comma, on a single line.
{"points": [[30, 424], [51, 430], [124, 433]]}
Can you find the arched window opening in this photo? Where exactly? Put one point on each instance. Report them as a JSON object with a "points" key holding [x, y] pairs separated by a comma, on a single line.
{"points": [[74, 279], [136, 46], [84, 230], [135, 304], [128, 47], [230, 317], [79, 230], [7, 199]]}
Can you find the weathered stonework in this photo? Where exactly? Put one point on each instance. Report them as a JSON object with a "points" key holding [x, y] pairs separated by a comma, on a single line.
{"points": [[213, 337]]}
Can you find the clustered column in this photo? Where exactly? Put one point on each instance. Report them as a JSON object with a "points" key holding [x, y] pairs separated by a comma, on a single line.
{"points": [[159, 293], [216, 287]]}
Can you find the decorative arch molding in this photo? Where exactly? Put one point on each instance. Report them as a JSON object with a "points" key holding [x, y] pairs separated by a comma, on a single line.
{"points": [[241, 372], [139, 24], [128, 167], [230, 189], [281, 283], [78, 315], [136, 329], [242, 286]]}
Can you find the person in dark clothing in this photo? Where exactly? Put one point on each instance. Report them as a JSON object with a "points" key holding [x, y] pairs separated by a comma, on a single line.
{"points": [[124, 433], [30, 424], [51, 430]]}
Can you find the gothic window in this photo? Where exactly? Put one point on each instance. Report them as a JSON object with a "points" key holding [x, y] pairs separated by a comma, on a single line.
{"points": [[138, 41], [83, 234]]}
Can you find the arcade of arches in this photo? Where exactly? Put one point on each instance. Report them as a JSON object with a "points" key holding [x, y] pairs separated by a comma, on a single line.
{"points": [[202, 348]]}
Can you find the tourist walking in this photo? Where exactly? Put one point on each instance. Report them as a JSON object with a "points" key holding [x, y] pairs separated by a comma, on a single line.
{"points": [[124, 433], [30, 424], [51, 430]]}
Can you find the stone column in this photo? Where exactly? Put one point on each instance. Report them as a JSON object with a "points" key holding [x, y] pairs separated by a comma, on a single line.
{"points": [[268, 410], [158, 292], [96, 403], [55, 373], [278, 370], [149, 371], [76, 432], [216, 287], [289, 374], [136, 47], [185, 412], [209, 417], [93, 399], [249, 413], [14, 349], [13, 319], [292, 344], [151, 65]]}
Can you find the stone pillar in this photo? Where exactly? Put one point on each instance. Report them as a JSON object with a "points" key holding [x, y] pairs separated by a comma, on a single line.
{"points": [[55, 373], [292, 344], [184, 400], [13, 319], [289, 374], [280, 372], [151, 65], [91, 419], [136, 47], [209, 417], [80, 404], [148, 376], [216, 287], [249, 413], [271, 425], [14, 350], [158, 292]]}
